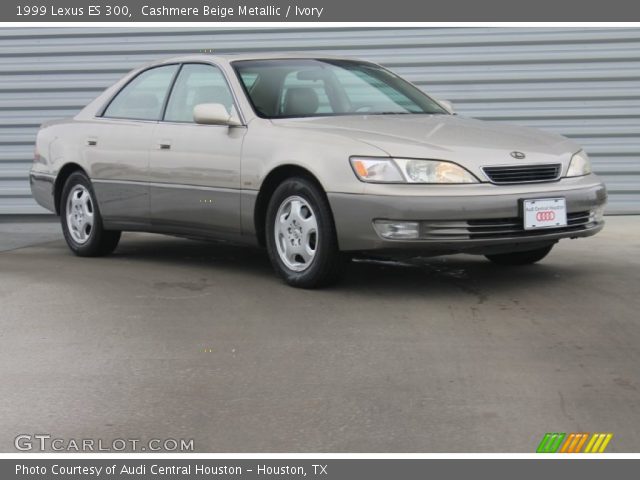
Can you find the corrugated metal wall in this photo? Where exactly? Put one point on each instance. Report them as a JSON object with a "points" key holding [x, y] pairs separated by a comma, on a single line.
{"points": [[580, 82]]}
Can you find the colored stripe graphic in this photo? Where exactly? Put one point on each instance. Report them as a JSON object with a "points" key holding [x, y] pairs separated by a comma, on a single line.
{"points": [[550, 442], [570, 443], [573, 442], [598, 443], [581, 443]]}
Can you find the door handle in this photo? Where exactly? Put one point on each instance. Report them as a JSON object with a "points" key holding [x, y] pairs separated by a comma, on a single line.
{"points": [[165, 146], [92, 142]]}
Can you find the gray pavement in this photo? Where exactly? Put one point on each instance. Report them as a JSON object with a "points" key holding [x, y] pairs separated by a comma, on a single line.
{"points": [[175, 338]]}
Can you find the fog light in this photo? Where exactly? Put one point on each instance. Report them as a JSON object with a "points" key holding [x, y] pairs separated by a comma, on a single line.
{"points": [[597, 214], [397, 230]]}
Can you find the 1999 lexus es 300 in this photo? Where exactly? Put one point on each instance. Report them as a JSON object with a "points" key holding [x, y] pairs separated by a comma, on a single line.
{"points": [[317, 159]]}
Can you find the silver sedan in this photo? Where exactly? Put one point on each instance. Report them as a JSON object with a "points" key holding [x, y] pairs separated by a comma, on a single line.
{"points": [[317, 159]]}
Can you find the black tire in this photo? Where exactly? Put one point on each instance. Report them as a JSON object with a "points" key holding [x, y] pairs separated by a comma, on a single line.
{"points": [[99, 241], [520, 258], [328, 263]]}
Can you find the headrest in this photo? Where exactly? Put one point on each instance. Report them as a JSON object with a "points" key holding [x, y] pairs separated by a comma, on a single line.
{"points": [[300, 101]]}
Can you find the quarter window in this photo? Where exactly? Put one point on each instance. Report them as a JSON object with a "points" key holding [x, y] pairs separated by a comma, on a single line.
{"points": [[196, 84], [143, 97]]}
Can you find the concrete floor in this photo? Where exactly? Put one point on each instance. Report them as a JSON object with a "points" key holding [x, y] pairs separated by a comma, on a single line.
{"points": [[174, 338]]}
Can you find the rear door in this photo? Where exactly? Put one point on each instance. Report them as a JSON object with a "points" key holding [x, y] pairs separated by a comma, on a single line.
{"points": [[118, 143], [194, 169]]}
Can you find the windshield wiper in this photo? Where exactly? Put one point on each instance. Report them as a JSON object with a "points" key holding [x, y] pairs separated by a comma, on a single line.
{"points": [[388, 113], [405, 113]]}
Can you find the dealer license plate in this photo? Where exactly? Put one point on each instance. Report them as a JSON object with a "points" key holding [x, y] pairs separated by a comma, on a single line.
{"points": [[545, 213]]}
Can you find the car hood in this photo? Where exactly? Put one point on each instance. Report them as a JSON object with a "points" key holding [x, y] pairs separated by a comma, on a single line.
{"points": [[469, 142]]}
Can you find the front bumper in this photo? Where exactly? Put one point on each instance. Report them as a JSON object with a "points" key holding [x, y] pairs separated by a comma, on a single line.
{"points": [[479, 218]]}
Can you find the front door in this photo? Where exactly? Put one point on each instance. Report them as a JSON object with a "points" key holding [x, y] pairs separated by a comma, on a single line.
{"points": [[194, 170]]}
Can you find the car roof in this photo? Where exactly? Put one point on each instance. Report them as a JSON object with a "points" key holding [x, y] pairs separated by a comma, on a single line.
{"points": [[227, 58]]}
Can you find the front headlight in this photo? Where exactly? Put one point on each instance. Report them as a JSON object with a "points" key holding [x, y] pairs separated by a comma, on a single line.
{"points": [[580, 165], [433, 171], [402, 170], [376, 170]]}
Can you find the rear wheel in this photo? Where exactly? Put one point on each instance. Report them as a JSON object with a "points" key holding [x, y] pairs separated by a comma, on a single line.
{"points": [[520, 258], [301, 237], [81, 220]]}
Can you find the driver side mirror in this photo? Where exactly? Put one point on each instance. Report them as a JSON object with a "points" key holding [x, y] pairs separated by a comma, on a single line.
{"points": [[447, 105], [213, 114]]}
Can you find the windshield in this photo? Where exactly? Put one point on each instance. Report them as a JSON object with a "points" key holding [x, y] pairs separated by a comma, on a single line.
{"points": [[317, 87]]}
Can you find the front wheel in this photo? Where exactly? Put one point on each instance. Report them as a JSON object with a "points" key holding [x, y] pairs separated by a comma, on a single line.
{"points": [[81, 220], [520, 258], [301, 237]]}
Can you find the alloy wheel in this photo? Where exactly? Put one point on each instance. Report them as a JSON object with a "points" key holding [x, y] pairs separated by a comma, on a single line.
{"points": [[296, 233], [80, 214]]}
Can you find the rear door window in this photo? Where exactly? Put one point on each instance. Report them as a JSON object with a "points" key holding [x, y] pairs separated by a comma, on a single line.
{"points": [[143, 97]]}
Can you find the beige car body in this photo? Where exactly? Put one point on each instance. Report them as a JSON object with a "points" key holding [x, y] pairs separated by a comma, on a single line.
{"points": [[215, 179]]}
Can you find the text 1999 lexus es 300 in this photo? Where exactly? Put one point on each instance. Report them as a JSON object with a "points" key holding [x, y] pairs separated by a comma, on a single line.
{"points": [[318, 159]]}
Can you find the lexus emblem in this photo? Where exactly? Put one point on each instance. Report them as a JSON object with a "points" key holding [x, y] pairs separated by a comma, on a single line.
{"points": [[518, 155]]}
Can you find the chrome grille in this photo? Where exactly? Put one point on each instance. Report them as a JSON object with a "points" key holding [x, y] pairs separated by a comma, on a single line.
{"points": [[443, 230], [523, 173]]}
